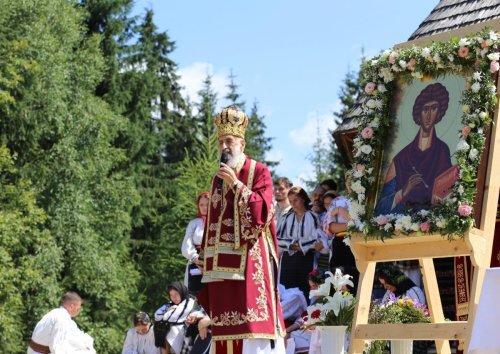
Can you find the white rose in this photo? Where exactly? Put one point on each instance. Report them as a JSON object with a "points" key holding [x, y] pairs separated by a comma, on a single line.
{"points": [[381, 88], [387, 226], [460, 189], [462, 145], [475, 87], [441, 223], [493, 35], [366, 149], [371, 103], [436, 58], [494, 56], [463, 42], [473, 154], [415, 226], [357, 174], [482, 115], [426, 52], [402, 64], [374, 62]]}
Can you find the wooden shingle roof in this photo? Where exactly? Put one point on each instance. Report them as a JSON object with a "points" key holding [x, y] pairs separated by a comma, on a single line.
{"points": [[452, 14]]}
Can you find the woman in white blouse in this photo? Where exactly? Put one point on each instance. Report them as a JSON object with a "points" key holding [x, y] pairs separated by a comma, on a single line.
{"points": [[297, 234], [140, 339], [191, 245]]}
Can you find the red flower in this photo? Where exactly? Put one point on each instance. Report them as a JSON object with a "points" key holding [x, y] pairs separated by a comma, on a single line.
{"points": [[316, 313]]}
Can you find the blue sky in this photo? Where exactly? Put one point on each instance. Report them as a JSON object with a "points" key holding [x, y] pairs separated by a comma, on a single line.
{"points": [[288, 55]]}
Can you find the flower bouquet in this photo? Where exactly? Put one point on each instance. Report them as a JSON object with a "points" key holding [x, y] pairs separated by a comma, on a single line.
{"points": [[333, 305], [399, 310], [396, 310]]}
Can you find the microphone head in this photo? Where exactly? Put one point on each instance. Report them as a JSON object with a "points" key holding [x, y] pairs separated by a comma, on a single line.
{"points": [[224, 156]]}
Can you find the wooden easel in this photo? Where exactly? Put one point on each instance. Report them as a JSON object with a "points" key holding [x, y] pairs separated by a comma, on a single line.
{"points": [[477, 243]]}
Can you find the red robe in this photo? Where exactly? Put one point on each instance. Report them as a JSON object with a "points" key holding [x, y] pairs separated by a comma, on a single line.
{"points": [[239, 248]]}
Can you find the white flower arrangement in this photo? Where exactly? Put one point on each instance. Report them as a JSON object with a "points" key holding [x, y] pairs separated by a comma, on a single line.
{"points": [[458, 56]]}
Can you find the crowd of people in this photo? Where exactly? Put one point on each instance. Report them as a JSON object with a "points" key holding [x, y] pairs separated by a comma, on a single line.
{"points": [[254, 250]]}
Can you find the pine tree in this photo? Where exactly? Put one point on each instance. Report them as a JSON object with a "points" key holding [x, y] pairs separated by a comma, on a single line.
{"points": [[233, 96], [63, 138], [348, 94], [206, 113], [319, 160], [257, 143]]}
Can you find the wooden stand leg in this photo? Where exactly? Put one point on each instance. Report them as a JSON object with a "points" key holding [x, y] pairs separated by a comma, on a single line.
{"points": [[433, 300], [363, 298]]}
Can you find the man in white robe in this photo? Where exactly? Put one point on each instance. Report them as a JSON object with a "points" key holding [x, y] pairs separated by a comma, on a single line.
{"points": [[57, 333]]}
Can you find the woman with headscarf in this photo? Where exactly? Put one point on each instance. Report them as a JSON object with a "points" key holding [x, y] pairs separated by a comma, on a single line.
{"points": [[296, 236], [140, 338], [191, 245], [173, 316], [396, 283]]}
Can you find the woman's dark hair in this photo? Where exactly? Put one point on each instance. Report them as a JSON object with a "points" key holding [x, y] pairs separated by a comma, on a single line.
{"points": [[434, 92], [392, 275], [302, 194], [180, 288]]}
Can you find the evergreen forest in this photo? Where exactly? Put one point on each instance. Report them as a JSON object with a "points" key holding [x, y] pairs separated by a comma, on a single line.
{"points": [[100, 160]]}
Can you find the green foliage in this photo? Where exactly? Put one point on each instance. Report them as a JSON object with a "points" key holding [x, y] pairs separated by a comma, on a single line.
{"points": [[320, 161], [399, 310], [62, 136], [30, 260], [257, 143], [348, 95]]}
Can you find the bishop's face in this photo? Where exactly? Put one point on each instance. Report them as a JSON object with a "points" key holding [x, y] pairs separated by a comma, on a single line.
{"points": [[234, 146]]}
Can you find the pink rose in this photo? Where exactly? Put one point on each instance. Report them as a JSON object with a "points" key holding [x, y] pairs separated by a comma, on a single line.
{"points": [[494, 66], [360, 167], [392, 57], [381, 220], [425, 226], [367, 133], [465, 131], [464, 210], [411, 64], [370, 87], [463, 52]]}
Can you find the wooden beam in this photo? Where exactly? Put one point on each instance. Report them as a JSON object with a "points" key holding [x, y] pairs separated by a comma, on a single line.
{"points": [[454, 330]]}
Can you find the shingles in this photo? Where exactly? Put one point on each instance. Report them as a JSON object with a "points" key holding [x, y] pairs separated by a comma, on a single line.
{"points": [[446, 16], [453, 14]]}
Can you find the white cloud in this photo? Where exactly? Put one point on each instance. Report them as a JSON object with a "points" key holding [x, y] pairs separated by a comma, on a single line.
{"points": [[192, 76], [314, 124]]}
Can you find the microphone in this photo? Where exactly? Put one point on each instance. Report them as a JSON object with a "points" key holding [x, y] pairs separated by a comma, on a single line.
{"points": [[224, 158]]}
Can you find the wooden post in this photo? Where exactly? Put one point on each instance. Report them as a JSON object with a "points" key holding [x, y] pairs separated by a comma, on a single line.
{"points": [[424, 248]]}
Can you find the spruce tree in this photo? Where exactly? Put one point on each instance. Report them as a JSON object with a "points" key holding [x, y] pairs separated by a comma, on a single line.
{"points": [[258, 144], [233, 96], [62, 136], [348, 94], [319, 159]]}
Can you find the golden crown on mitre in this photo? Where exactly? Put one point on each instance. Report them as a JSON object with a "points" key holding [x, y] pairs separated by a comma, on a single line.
{"points": [[231, 121]]}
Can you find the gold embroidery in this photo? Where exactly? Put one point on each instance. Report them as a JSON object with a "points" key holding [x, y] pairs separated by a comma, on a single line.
{"points": [[211, 241], [233, 318], [228, 222], [227, 236], [216, 198], [213, 227]]}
